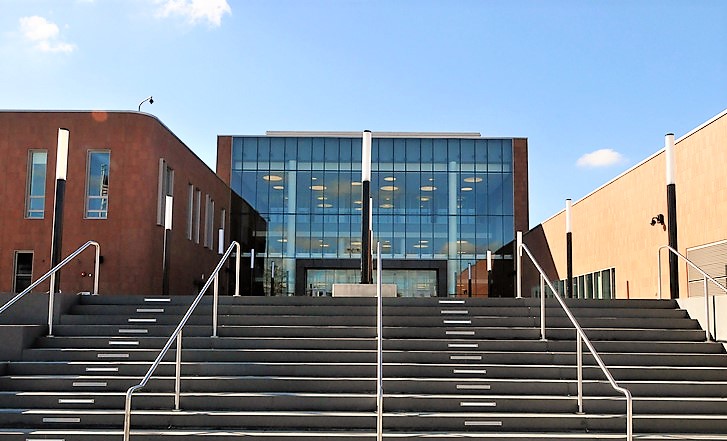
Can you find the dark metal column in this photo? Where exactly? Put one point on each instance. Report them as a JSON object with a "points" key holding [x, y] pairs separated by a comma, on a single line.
{"points": [[569, 249], [671, 213], [366, 264]]}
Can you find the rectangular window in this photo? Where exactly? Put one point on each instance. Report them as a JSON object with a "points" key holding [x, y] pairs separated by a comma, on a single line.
{"points": [[22, 270], [35, 192], [190, 211], [209, 221], [97, 184], [223, 217], [197, 209], [165, 188]]}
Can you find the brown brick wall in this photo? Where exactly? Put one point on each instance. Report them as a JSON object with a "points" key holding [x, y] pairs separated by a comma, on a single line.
{"points": [[520, 190], [131, 241]]}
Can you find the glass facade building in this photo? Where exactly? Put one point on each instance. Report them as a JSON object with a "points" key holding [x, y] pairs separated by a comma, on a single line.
{"points": [[440, 202]]}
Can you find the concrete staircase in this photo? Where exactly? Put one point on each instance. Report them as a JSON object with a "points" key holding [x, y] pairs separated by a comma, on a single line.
{"points": [[304, 368]]}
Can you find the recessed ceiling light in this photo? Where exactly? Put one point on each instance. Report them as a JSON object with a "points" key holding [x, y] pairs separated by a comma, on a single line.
{"points": [[317, 187], [325, 205], [313, 178], [355, 183], [272, 178], [421, 245], [389, 188], [386, 206], [322, 198], [462, 241], [282, 240], [428, 188], [466, 188], [473, 179], [424, 198], [386, 245], [390, 179], [278, 187], [357, 202]]}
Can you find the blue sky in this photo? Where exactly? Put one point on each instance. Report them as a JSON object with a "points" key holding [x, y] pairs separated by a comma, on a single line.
{"points": [[593, 85]]}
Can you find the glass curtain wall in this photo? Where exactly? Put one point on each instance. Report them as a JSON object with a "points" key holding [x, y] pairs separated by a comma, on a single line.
{"points": [[448, 199]]}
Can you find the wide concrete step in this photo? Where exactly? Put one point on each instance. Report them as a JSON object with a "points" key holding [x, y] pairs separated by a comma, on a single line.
{"points": [[432, 421], [366, 370], [130, 352], [317, 435], [281, 384], [361, 402], [415, 321], [454, 331], [87, 342]]}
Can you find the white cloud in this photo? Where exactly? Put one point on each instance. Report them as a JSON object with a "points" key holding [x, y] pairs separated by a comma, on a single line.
{"points": [[44, 34], [195, 11], [600, 158]]}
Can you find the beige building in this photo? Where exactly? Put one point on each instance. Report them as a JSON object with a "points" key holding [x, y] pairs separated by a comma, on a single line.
{"points": [[614, 242]]}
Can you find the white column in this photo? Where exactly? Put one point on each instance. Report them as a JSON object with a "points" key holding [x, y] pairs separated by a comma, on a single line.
{"points": [[452, 266]]}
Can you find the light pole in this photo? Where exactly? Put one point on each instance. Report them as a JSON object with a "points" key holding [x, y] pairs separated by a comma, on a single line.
{"points": [[569, 248], [671, 213], [366, 264]]}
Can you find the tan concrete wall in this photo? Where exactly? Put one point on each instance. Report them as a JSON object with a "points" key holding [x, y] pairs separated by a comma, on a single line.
{"points": [[611, 226]]}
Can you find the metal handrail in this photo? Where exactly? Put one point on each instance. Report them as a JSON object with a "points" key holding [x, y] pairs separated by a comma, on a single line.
{"points": [[52, 275], [707, 277], [581, 337], [177, 335]]}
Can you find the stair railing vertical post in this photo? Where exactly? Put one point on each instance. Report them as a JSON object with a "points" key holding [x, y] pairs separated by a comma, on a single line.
{"points": [[96, 268], [519, 264], [542, 308], [708, 326], [579, 351], [238, 249], [178, 375], [658, 260], [215, 300], [380, 349]]}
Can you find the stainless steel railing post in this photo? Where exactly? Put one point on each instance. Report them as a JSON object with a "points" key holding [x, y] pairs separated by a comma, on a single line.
{"points": [[542, 308], [579, 351], [178, 372], [380, 349], [215, 299], [708, 326]]}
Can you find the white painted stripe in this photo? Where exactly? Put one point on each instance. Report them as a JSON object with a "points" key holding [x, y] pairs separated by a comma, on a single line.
{"points": [[128, 343], [112, 355], [473, 386], [142, 320], [454, 311], [478, 404], [166, 299], [483, 423], [457, 322], [90, 384], [463, 345], [459, 332], [61, 420], [469, 371], [465, 357], [76, 401], [102, 369], [452, 302], [149, 310], [133, 331]]}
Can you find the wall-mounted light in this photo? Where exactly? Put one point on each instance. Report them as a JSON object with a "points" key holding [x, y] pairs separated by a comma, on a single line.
{"points": [[658, 219]]}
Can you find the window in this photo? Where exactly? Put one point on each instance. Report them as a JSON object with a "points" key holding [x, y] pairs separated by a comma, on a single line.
{"points": [[197, 208], [223, 217], [97, 184], [165, 188], [209, 221], [190, 211], [35, 193], [22, 270]]}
